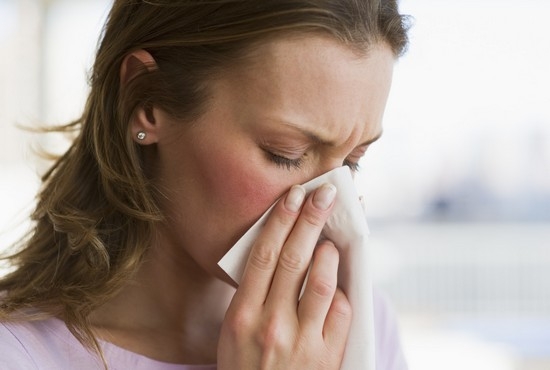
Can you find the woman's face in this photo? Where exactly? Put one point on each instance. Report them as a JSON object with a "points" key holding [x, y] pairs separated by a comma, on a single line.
{"points": [[300, 108]]}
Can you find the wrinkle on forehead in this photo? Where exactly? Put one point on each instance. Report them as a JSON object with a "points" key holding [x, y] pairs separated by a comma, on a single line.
{"points": [[319, 84]]}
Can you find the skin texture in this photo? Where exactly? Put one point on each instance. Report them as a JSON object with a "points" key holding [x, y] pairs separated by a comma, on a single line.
{"points": [[301, 107]]}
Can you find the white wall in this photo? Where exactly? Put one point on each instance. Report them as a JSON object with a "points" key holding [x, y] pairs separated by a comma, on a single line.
{"points": [[47, 48]]}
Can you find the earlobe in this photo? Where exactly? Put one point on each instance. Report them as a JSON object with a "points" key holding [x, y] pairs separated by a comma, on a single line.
{"points": [[144, 126]]}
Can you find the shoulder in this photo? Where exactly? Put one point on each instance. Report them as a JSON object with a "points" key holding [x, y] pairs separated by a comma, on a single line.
{"points": [[42, 344], [13, 352], [389, 352], [48, 344]]}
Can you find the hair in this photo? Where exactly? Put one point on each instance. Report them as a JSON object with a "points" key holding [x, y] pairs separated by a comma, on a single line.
{"points": [[97, 208]]}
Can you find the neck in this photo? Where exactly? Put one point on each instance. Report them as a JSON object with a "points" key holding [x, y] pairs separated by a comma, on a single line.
{"points": [[171, 311]]}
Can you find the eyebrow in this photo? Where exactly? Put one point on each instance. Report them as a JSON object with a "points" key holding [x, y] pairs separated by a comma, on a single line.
{"points": [[317, 139]]}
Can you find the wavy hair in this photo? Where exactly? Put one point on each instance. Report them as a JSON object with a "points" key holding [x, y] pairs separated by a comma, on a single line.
{"points": [[97, 208]]}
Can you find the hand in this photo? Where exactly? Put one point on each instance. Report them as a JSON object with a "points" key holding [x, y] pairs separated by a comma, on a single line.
{"points": [[267, 325]]}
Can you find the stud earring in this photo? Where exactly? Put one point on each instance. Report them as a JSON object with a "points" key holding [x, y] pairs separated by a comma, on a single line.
{"points": [[141, 135]]}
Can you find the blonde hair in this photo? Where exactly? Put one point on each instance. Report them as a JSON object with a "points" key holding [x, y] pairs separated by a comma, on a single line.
{"points": [[97, 208]]}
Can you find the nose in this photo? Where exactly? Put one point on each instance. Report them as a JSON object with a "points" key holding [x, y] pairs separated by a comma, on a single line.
{"points": [[327, 166]]}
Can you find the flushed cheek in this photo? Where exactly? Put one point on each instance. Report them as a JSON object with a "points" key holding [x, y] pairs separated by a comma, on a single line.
{"points": [[240, 189]]}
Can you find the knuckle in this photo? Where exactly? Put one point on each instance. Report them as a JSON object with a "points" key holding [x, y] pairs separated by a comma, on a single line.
{"points": [[327, 250], [273, 336], [341, 306], [292, 261], [313, 217], [239, 322], [281, 217], [263, 257], [323, 287], [286, 219]]}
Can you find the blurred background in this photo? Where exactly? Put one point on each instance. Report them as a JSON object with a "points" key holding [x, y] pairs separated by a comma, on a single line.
{"points": [[458, 189]]}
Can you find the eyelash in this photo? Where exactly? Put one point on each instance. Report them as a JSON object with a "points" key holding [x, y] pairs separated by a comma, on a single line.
{"points": [[297, 163], [285, 162], [355, 167]]}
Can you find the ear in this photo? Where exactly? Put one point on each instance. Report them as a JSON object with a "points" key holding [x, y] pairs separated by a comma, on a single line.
{"points": [[134, 64], [143, 125]]}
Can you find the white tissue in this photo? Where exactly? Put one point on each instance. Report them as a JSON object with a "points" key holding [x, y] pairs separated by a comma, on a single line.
{"points": [[347, 229]]}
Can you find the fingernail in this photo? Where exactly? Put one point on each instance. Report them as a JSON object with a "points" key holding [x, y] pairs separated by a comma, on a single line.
{"points": [[324, 196], [295, 198]]}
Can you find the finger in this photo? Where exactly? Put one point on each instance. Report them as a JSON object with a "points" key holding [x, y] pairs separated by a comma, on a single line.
{"points": [[338, 322], [320, 289], [263, 257], [296, 254]]}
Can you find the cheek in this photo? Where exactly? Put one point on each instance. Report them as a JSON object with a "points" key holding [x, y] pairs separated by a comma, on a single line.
{"points": [[239, 187], [247, 188]]}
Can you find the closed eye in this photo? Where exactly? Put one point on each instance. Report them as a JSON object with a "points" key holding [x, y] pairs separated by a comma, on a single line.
{"points": [[354, 166], [285, 162]]}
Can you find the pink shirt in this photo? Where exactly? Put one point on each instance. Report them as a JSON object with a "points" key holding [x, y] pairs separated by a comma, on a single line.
{"points": [[49, 345]]}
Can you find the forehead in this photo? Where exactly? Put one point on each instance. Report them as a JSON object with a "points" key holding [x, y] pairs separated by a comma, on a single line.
{"points": [[316, 81]]}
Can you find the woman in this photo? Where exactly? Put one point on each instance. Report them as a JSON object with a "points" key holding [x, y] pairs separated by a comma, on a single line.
{"points": [[202, 114]]}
